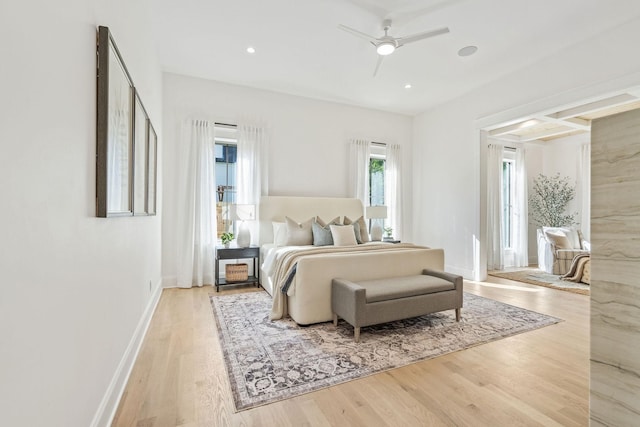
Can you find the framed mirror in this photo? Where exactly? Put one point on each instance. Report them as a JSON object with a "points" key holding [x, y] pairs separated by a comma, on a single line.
{"points": [[140, 146], [127, 143], [115, 99], [152, 163]]}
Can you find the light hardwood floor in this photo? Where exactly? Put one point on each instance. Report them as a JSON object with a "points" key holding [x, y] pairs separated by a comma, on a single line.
{"points": [[538, 378]]}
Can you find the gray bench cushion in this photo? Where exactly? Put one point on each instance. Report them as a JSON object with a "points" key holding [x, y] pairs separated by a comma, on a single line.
{"points": [[403, 287]]}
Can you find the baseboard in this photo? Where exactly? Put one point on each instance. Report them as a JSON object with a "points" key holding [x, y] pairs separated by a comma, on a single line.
{"points": [[170, 282], [107, 409], [467, 274]]}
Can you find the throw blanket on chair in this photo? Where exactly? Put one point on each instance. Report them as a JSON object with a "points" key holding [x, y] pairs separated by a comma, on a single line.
{"points": [[580, 270]]}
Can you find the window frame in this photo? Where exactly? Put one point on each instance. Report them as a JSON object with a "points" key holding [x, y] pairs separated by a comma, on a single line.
{"points": [[508, 157]]}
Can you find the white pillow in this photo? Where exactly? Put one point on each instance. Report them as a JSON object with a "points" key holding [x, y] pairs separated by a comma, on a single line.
{"points": [[279, 233], [571, 234], [298, 234], [343, 235], [559, 239]]}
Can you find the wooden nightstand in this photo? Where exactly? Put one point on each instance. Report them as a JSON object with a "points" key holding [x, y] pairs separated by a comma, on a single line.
{"points": [[252, 252]]}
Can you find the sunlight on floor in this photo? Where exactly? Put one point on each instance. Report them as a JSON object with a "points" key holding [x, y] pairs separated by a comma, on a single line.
{"points": [[512, 287]]}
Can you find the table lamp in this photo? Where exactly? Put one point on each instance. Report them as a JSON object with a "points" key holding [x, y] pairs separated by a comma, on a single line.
{"points": [[376, 213], [243, 213]]}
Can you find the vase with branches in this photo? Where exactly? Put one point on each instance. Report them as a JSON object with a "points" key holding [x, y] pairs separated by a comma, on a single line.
{"points": [[550, 199]]}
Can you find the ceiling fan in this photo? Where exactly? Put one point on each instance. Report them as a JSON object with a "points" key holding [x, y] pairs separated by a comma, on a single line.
{"points": [[387, 44]]}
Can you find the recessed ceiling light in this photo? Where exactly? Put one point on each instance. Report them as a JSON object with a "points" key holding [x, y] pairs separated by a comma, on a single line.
{"points": [[407, 86], [251, 50], [467, 50]]}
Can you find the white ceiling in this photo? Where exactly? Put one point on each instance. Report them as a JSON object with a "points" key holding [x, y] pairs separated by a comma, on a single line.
{"points": [[300, 50]]}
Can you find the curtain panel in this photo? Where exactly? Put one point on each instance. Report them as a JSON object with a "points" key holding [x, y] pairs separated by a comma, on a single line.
{"points": [[495, 247], [196, 205], [393, 189], [252, 170], [360, 153]]}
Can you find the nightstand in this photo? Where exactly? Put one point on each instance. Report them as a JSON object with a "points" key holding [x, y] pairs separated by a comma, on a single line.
{"points": [[252, 252]]}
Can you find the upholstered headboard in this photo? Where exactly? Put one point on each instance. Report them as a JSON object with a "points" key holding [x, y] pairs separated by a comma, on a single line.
{"points": [[275, 208]]}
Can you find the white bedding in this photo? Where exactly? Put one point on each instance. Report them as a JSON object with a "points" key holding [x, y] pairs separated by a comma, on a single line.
{"points": [[309, 297], [280, 263]]}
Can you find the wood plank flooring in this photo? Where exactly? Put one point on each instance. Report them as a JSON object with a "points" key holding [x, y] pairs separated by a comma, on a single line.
{"points": [[539, 378]]}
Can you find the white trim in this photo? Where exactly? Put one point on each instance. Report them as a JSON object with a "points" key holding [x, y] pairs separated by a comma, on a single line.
{"points": [[563, 100], [465, 273], [169, 282], [109, 404]]}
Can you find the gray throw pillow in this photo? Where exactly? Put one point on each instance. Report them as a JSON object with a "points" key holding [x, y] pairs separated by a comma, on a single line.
{"points": [[321, 235], [363, 236]]}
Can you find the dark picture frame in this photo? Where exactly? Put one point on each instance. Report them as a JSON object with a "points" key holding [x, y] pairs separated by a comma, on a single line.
{"points": [[124, 137]]}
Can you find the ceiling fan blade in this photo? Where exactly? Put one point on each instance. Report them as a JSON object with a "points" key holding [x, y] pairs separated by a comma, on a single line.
{"points": [[358, 33], [380, 59], [415, 37]]}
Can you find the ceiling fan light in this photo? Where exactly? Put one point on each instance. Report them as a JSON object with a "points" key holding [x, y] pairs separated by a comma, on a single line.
{"points": [[385, 48]]}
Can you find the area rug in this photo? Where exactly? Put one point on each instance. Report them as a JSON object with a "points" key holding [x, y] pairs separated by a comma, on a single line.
{"points": [[538, 277], [267, 361]]}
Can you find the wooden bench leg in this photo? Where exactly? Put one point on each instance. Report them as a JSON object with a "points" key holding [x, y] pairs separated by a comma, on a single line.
{"points": [[458, 314], [356, 333], [335, 320]]}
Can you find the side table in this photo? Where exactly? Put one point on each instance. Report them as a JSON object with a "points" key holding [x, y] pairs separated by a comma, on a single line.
{"points": [[251, 252]]}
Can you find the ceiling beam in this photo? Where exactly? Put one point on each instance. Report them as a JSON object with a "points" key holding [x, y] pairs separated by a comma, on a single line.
{"points": [[546, 133], [572, 122], [614, 101], [516, 126]]}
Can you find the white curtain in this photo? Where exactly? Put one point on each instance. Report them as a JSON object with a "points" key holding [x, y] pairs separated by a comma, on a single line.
{"points": [[251, 170], [393, 189], [196, 205], [495, 248], [584, 190], [360, 153], [521, 212]]}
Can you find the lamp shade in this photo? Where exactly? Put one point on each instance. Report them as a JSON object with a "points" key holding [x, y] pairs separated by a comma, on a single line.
{"points": [[375, 212], [243, 212]]}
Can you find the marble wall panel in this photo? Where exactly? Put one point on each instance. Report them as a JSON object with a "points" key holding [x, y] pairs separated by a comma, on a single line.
{"points": [[615, 270]]}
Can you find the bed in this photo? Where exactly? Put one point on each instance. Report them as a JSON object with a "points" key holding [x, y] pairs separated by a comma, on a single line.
{"points": [[310, 269]]}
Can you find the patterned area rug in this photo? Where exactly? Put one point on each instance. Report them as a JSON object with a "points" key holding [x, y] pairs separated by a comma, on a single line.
{"points": [[268, 361], [538, 277]]}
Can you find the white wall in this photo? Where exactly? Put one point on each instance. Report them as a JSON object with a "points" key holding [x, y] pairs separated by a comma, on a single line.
{"points": [[447, 185], [308, 142], [74, 287]]}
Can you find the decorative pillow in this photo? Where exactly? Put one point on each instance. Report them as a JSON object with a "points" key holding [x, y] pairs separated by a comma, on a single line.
{"points": [[298, 234], [279, 233], [363, 236], [571, 234], [335, 220], [321, 235], [559, 239], [343, 235]]}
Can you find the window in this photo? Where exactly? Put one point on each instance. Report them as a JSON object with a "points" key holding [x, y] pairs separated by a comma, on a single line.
{"points": [[508, 198], [377, 163], [376, 181], [226, 154]]}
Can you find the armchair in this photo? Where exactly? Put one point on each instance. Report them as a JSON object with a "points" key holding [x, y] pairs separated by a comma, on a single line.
{"points": [[557, 246]]}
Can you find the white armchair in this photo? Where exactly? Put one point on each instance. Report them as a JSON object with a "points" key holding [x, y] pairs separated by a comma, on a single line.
{"points": [[557, 246]]}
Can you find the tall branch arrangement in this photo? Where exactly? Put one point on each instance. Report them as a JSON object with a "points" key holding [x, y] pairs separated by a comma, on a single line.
{"points": [[549, 201]]}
